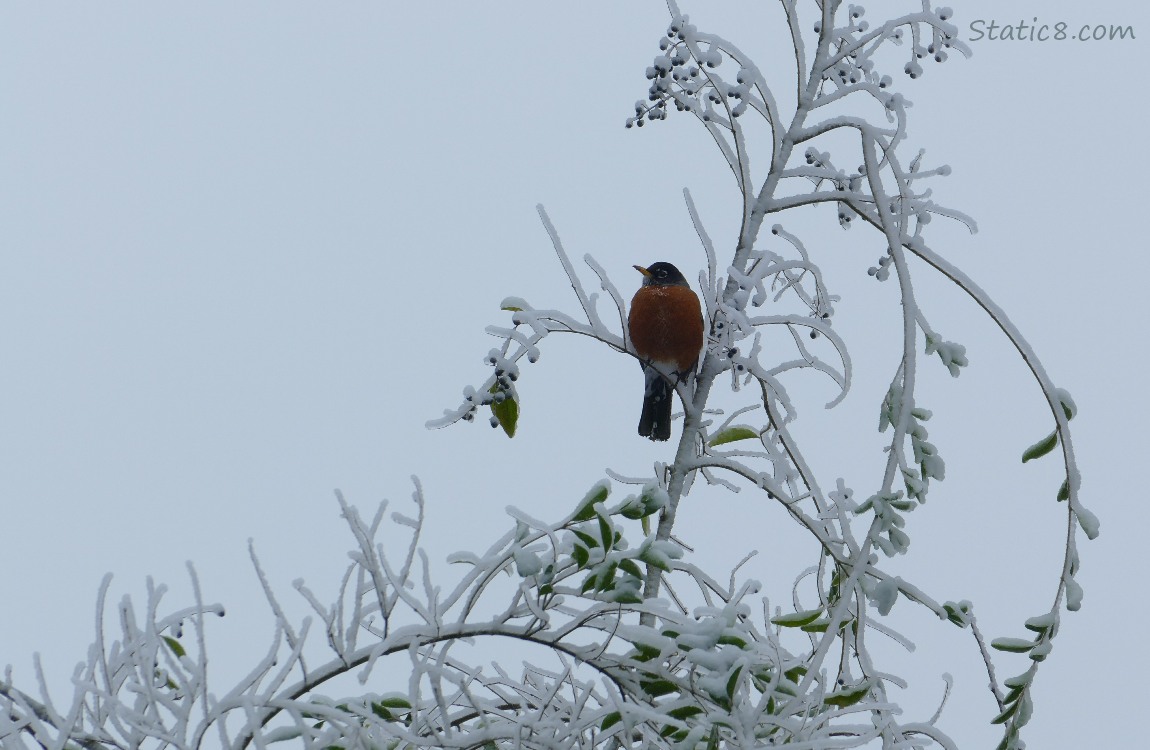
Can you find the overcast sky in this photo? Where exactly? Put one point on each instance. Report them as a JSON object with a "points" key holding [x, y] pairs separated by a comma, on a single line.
{"points": [[249, 249]]}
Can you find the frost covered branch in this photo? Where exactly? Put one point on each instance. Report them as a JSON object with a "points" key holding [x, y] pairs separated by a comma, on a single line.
{"points": [[643, 647], [835, 87], [574, 589]]}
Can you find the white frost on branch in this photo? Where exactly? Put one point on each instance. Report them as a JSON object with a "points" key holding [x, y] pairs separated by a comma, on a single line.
{"points": [[646, 649]]}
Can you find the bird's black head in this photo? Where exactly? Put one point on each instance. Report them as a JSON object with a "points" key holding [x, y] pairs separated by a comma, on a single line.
{"points": [[661, 274]]}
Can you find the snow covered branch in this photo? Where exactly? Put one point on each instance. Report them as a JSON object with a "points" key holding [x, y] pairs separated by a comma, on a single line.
{"points": [[643, 647], [839, 84]]}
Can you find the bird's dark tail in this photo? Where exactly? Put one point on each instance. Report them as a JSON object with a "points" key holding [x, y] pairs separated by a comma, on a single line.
{"points": [[655, 421]]}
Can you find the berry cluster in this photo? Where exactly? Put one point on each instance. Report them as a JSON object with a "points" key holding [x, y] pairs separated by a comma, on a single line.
{"points": [[856, 46], [506, 373], [681, 75], [882, 270]]}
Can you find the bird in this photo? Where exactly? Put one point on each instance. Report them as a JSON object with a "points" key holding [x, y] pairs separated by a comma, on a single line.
{"points": [[665, 324]]}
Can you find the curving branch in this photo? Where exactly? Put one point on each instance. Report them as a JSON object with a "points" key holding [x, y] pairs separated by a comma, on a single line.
{"points": [[644, 648]]}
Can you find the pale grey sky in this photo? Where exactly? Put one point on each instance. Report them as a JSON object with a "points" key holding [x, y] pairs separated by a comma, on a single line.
{"points": [[250, 248]]}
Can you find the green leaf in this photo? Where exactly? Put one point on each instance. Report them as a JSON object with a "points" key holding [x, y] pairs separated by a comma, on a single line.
{"points": [[628, 565], [1025, 711], [514, 304], [788, 688], [818, 626], [887, 413], [580, 555], [175, 646], [797, 619], [603, 579], [734, 433], [1041, 448], [589, 541], [626, 597], [1041, 651], [655, 688], [506, 412], [1018, 681], [633, 509], [848, 696], [733, 682], [794, 674], [647, 652], [610, 720], [1064, 491], [684, 712], [596, 494], [1007, 712], [1069, 408], [1013, 645], [606, 533], [649, 557], [958, 612], [1041, 623]]}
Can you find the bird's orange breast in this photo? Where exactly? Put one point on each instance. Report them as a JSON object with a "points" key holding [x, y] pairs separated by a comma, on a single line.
{"points": [[666, 325]]}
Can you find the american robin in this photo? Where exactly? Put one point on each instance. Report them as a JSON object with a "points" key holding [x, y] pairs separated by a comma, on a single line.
{"points": [[666, 327]]}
